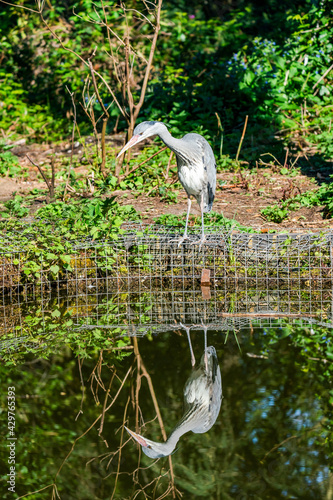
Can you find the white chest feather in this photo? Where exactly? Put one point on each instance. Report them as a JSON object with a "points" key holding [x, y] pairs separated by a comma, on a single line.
{"points": [[192, 178]]}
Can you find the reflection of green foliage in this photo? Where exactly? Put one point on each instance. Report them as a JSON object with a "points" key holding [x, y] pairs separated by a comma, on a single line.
{"points": [[270, 434], [44, 331]]}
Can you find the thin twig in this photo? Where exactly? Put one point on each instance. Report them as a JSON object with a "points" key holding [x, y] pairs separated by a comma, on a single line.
{"points": [[286, 158], [156, 406], [42, 174], [72, 139], [150, 60], [143, 162], [105, 121], [92, 425], [266, 315], [80, 363], [166, 174], [100, 430], [322, 77], [242, 138]]}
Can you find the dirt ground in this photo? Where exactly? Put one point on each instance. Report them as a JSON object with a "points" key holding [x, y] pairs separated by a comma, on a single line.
{"points": [[239, 196]]}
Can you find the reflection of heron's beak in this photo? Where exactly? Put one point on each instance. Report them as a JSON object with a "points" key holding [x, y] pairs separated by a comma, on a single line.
{"points": [[135, 139], [137, 437]]}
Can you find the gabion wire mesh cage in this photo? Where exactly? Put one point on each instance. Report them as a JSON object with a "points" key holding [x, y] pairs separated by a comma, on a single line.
{"points": [[141, 282], [146, 255]]}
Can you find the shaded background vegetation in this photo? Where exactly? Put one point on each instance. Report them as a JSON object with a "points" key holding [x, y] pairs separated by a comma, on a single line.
{"points": [[261, 59]]}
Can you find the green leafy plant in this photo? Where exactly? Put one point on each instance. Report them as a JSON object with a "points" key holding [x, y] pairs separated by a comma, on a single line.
{"points": [[15, 208], [9, 165], [275, 214]]}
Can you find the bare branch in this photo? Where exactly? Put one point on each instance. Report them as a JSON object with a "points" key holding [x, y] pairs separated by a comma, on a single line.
{"points": [[73, 136], [150, 61]]}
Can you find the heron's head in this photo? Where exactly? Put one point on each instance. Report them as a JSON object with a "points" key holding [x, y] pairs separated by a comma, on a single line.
{"points": [[142, 131], [211, 359], [151, 448]]}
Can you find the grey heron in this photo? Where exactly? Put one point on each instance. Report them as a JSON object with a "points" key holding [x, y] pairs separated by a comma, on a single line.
{"points": [[196, 166], [202, 402]]}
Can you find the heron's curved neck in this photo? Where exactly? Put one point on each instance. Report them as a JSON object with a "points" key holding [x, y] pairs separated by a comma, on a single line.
{"points": [[176, 145], [189, 421]]}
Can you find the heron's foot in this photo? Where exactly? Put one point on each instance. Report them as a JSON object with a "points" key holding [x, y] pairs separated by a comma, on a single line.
{"points": [[200, 242], [181, 241]]}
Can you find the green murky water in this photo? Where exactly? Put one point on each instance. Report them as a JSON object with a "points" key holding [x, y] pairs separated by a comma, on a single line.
{"points": [[272, 438]]}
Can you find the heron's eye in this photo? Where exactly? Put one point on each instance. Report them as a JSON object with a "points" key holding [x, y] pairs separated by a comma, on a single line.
{"points": [[149, 446]]}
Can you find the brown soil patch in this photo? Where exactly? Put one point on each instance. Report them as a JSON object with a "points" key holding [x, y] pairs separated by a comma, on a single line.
{"points": [[242, 197]]}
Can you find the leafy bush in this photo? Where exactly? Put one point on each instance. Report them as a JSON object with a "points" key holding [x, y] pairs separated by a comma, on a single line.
{"points": [[323, 196], [15, 208], [9, 165]]}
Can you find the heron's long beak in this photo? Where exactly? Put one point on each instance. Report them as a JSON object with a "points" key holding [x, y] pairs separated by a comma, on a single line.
{"points": [[135, 139], [137, 437]]}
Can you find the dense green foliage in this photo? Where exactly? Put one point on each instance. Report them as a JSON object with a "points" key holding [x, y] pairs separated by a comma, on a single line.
{"points": [[247, 63], [213, 66], [323, 196]]}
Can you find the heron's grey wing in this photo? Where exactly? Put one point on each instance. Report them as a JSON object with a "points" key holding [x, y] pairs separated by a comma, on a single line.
{"points": [[209, 163], [202, 151]]}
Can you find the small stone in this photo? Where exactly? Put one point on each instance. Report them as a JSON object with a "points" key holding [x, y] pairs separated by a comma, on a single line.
{"points": [[20, 142]]}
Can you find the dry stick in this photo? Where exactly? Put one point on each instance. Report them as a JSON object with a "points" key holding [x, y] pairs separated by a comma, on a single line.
{"points": [[73, 136], [105, 121], [242, 138], [150, 61], [53, 177], [155, 403], [286, 158], [270, 154], [105, 111], [143, 162], [266, 315], [82, 60], [91, 117], [135, 109], [41, 489], [63, 46], [166, 175], [42, 174], [93, 424], [104, 405], [120, 448], [82, 385], [278, 445], [322, 77]]}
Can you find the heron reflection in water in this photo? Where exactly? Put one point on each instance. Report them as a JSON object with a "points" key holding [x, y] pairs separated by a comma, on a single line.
{"points": [[202, 402]]}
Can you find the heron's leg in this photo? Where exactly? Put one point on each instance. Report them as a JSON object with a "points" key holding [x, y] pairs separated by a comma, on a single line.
{"points": [[202, 218], [189, 343], [185, 237], [205, 328], [203, 237]]}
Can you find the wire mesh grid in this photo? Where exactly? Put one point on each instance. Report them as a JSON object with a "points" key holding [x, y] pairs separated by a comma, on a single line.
{"points": [[141, 282], [147, 255]]}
